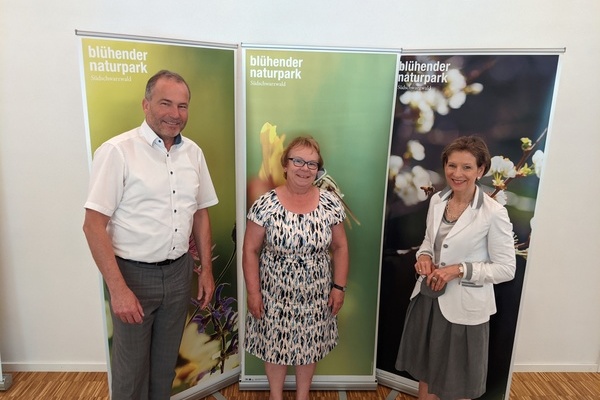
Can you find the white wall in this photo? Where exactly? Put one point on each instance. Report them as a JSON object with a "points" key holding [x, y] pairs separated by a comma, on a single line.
{"points": [[50, 311]]}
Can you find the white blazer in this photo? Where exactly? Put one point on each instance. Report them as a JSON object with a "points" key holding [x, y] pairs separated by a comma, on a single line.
{"points": [[482, 238]]}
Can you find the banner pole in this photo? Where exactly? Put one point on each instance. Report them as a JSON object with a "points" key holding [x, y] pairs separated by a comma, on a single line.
{"points": [[107, 35], [515, 50]]}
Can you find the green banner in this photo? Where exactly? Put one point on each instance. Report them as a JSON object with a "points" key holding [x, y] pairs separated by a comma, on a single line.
{"points": [[344, 100], [114, 74]]}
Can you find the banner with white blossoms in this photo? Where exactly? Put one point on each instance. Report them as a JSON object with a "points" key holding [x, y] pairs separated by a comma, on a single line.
{"points": [[507, 100], [114, 75]]}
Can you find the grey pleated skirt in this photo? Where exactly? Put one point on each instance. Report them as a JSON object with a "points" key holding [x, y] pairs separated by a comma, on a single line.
{"points": [[452, 359]]}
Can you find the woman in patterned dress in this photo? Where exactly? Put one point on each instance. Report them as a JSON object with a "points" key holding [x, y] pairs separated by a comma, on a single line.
{"points": [[293, 232]]}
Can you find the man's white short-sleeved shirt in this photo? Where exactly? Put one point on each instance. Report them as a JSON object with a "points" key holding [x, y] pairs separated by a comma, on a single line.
{"points": [[149, 193]]}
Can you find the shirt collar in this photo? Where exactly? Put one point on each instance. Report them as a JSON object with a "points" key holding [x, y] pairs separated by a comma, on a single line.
{"points": [[477, 201], [151, 137]]}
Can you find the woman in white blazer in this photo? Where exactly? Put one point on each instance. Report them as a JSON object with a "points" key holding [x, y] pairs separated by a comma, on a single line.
{"points": [[468, 247]]}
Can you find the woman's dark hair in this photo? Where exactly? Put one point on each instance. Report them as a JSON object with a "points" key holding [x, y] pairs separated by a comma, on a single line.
{"points": [[474, 145], [301, 141]]}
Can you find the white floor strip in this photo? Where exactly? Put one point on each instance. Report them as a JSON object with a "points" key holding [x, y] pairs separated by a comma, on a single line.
{"points": [[342, 395], [392, 395], [218, 396]]}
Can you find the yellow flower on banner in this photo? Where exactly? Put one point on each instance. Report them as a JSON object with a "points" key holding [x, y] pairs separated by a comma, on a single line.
{"points": [[272, 149], [271, 171]]}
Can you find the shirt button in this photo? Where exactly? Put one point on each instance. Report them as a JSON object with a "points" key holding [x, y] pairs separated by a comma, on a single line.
{"points": [[445, 246], [443, 264]]}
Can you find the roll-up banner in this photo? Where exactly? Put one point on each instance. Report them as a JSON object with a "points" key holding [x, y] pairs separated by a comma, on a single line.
{"points": [[505, 98], [345, 100], [114, 72]]}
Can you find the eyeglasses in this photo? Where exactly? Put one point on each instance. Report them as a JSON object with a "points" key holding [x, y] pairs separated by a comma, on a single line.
{"points": [[298, 162]]}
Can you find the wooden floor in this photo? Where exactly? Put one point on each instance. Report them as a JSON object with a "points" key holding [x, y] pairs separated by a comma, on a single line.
{"points": [[94, 386]]}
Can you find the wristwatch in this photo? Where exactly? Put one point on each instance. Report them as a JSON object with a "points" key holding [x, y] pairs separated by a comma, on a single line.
{"points": [[461, 270], [338, 287]]}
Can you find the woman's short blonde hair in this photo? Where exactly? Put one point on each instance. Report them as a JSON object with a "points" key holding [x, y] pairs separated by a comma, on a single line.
{"points": [[301, 141]]}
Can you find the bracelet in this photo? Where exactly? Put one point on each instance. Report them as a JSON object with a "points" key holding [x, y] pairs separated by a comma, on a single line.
{"points": [[338, 287]]}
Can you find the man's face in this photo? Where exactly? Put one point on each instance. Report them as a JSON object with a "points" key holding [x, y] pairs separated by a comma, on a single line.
{"points": [[167, 110]]}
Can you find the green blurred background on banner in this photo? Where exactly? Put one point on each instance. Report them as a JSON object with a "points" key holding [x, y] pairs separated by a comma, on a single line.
{"points": [[345, 101]]}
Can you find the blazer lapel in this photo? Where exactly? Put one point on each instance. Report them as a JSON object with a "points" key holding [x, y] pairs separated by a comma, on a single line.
{"points": [[469, 213], [463, 221], [438, 214]]}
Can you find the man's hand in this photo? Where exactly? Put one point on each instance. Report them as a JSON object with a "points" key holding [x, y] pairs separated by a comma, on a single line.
{"points": [[127, 307], [206, 287]]}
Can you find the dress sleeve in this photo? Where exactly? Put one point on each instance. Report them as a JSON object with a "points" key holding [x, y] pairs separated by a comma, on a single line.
{"points": [[335, 206], [258, 210]]}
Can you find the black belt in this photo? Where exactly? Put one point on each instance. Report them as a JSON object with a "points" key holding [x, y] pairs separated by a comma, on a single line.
{"points": [[156, 264]]}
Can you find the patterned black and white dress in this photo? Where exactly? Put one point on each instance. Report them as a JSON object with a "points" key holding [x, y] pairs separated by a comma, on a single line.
{"points": [[295, 279]]}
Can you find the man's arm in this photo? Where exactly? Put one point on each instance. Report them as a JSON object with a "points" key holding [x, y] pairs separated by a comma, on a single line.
{"points": [[124, 303], [203, 238]]}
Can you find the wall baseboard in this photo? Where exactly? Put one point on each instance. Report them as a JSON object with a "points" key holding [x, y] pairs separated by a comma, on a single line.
{"points": [[102, 367], [43, 367], [556, 368]]}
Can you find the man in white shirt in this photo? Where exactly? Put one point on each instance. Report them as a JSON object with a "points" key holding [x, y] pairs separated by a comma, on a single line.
{"points": [[149, 191]]}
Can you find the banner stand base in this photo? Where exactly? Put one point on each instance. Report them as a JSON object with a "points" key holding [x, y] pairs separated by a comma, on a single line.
{"points": [[399, 383], [5, 381], [261, 383]]}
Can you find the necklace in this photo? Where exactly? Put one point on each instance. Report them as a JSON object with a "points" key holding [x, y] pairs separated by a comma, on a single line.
{"points": [[453, 217]]}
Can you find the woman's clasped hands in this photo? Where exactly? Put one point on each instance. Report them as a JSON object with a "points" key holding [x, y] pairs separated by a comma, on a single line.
{"points": [[435, 277]]}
